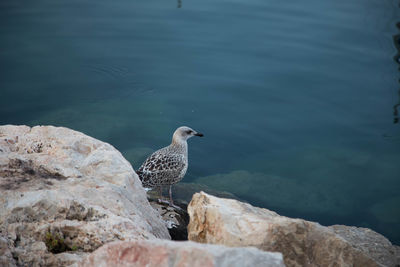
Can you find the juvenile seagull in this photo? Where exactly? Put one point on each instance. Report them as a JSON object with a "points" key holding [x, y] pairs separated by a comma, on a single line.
{"points": [[168, 165]]}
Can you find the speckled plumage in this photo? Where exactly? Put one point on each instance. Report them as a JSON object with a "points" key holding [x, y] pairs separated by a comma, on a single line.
{"points": [[168, 165], [164, 167]]}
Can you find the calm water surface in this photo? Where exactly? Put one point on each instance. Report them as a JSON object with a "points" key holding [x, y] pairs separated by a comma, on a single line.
{"points": [[295, 98]]}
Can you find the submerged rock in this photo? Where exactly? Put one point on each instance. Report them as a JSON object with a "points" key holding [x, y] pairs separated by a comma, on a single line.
{"points": [[163, 253], [184, 192], [387, 211], [232, 223], [281, 192], [64, 194]]}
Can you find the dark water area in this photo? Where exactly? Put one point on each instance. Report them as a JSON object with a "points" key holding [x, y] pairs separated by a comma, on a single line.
{"points": [[297, 100]]}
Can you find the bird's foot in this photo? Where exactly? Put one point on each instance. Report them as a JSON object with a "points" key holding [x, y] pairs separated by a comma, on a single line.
{"points": [[169, 203], [175, 207], [163, 201]]}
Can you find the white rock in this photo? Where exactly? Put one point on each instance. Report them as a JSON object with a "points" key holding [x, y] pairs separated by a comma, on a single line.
{"points": [[59, 181], [232, 223]]}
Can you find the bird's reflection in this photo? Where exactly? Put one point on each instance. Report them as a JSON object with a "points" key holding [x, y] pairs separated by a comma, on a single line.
{"points": [[179, 3]]}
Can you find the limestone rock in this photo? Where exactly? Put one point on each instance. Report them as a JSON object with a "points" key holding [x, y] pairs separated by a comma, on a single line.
{"points": [[387, 211], [163, 253], [177, 218], [371, 243], [6, 257], [229, 222], [67, 193], [397, 253]]}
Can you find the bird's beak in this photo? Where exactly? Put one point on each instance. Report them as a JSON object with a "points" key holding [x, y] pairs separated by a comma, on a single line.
{"points": [[199, 134]]}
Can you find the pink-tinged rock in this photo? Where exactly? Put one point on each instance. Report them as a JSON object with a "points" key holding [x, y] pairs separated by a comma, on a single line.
{"points": [[232, 223], [163, 253]]}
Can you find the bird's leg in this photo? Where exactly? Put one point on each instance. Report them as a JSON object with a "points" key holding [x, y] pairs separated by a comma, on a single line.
{"points": [[159, 189], [161, 200], [171, 202]]}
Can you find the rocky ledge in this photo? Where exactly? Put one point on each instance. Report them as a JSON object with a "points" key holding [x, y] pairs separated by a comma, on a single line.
{"points": [[67, 199], [64, 194], [232, 223]]}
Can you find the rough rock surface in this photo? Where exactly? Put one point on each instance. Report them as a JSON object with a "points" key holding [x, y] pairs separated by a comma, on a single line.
{"points": [[176, 217], [371, 243], [64, 192], [163, 253], [229, 222]]}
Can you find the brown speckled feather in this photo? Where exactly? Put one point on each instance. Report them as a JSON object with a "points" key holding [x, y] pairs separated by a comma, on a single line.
{"points": [[164, 167], [168, 165]]}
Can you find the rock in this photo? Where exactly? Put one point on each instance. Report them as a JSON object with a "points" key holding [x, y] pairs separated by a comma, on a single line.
{"points": [[369, 242], [163, 253], [175, 218], [6, 257], [232, 223], [64, 194], [397, 255]]}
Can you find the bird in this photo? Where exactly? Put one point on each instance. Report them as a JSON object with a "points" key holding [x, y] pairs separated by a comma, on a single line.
{"points": [[168, 165]]}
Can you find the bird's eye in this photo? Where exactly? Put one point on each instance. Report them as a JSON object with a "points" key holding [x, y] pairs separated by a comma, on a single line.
{"points": [[189, 131]]}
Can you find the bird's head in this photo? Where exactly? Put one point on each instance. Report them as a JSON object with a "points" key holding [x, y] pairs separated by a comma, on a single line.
{"points": [[184, 133]]}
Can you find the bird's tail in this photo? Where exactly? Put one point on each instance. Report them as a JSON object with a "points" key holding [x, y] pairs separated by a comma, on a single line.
{"points": [[141, 178]]}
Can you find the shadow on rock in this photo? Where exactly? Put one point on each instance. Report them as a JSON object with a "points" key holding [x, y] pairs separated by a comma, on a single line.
{"points": [[177, 218]]}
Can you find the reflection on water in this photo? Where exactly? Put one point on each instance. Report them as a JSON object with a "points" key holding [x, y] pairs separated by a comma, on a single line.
{"points": [[275, 86]]}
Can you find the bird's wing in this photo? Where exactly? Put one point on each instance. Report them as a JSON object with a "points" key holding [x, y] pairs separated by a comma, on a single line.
{"points": [[161, 169]]}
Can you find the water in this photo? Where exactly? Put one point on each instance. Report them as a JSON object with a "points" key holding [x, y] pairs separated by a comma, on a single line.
{"points": [[295, 98]]}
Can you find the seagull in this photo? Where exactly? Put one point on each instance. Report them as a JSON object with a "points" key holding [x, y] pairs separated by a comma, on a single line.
{"points": [[168, 165]]}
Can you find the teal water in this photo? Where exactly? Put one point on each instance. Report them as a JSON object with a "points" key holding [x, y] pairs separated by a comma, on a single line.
{"points": [[295, 98]]}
